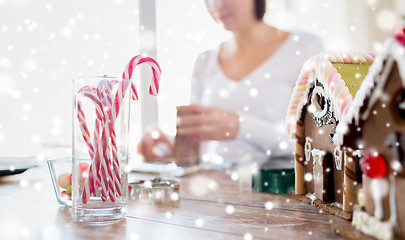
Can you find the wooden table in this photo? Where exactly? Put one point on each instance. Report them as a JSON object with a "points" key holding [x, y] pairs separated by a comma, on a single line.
{"points": [[29, 211]]}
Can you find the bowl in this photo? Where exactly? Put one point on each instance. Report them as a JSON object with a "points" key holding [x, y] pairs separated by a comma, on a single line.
{"points": [[60, 170]]}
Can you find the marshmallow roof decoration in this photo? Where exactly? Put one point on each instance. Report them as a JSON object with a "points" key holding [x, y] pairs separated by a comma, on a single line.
{"points": [[325, 68]]}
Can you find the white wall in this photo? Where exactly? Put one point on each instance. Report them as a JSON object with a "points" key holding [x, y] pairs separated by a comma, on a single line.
{"points": [[322, 18], [360, 25], [44, 44]]}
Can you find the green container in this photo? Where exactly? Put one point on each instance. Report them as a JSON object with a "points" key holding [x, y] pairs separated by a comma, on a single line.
{"points": [[274, 180]]}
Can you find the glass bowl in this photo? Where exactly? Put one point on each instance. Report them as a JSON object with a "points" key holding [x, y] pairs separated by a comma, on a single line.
{"points": [[60, 170]]}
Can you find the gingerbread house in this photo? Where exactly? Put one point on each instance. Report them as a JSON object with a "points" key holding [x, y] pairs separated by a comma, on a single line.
{"points": [[321, 98], [373, 130]]}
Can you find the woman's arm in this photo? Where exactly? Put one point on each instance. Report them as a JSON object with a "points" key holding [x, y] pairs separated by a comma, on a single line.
{"points": [[197, 122]]}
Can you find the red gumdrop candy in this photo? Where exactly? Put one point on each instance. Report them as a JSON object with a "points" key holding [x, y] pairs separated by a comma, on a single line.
{"points": [[64, 194], [374, 165], [70, 179]]}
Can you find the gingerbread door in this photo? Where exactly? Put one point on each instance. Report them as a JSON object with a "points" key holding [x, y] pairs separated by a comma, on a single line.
{"points": [[322, 172]]}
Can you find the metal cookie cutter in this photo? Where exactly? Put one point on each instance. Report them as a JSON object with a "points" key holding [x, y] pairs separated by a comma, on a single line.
{"points": [[155, 191]]}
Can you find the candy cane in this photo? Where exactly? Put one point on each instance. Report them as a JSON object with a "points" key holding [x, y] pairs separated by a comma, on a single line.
{"points": [[88, 188], [87, 92], [93, 178], [115, 107], [137, 60], [83, 128], [105, 91], [93, 181], [106, 173], [154, 86], [127, 75], [120, 95], [101, 168]]}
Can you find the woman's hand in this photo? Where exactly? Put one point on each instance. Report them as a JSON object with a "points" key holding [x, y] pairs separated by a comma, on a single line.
{"points": [[197, 122], [150, 141]]}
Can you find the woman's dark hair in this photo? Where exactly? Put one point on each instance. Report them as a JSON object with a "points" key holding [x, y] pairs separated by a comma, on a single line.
{"points": [[260, 9]]}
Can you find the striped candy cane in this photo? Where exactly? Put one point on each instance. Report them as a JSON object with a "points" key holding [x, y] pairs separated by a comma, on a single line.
{"points": [[94, 170], [105, 92], [92, 180], [137, 60], [101, 168], [100, 174], [127, 76]]}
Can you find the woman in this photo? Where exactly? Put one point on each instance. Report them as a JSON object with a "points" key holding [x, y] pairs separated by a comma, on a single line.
{"points": [[241, 89]]}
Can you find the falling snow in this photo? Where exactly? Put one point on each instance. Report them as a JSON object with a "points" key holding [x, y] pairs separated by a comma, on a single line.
{"points": [[168, 215], [234, 176], [248, 236], [174, 196], [308, 177], [283, 145], [199, 222], [229, 209], [24, 183], [269, 205], [253, 92], [386, 20]]}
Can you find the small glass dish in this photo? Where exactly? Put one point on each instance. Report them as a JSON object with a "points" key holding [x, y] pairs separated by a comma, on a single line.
{"points": [[60, 170], [155, 191]]}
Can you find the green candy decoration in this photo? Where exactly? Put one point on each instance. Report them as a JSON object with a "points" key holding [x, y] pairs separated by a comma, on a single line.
{"points": [[69, 189], [279, 181]]}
